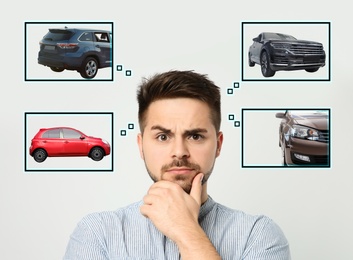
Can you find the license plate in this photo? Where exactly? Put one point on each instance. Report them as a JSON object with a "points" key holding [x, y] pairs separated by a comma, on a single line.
{"points": [[49, 47], [311, 59]]}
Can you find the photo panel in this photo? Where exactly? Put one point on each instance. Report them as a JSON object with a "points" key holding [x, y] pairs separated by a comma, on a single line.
{"points": [[68, 51], [286, 51], [68, 141], [286, 137]]}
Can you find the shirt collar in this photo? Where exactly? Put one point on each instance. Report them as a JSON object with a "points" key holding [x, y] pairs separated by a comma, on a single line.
{"points": [[206, 208]]}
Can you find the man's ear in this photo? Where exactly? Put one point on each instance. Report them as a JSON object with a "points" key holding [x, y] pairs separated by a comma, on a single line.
{"points": [[139, 142], [219, 143]]}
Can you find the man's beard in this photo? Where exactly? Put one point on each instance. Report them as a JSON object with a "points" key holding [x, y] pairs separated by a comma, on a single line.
{"points": [[183, 180]]}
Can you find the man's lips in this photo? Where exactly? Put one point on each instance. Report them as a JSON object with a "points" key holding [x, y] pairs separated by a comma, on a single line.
{"points": [[180, 170]]}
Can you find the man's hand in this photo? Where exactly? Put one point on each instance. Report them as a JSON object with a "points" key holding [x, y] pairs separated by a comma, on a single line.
{"points": [[171, 209], [175, 213]]}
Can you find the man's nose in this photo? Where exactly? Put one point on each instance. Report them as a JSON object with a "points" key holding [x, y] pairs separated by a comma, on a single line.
{"points": [[180, 149]]}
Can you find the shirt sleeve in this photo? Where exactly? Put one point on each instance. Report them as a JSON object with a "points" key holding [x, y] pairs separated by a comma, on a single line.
{"points": [[267, 242], [85, 242]]}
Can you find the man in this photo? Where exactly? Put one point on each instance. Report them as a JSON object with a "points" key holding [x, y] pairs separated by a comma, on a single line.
{"points": [[179, 118]]}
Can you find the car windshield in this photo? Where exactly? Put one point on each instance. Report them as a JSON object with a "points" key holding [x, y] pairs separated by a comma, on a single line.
{"points": [[58, 35], [308, 113], [278, 36]]}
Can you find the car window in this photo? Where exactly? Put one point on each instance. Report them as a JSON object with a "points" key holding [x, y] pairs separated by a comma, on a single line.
{"points": [[54, 133], [58, 35], [102, 37], [72, 134], [86, 37]]}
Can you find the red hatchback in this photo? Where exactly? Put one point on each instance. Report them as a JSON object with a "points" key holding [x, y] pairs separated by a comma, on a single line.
{"points": [[67, 141]]}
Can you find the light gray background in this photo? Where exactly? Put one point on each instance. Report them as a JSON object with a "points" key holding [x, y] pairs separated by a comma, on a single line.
{"points": [[39, 211], [260, 138]]}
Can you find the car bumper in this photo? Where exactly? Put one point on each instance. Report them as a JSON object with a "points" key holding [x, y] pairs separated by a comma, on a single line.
{"points": [[107, 149], [295, 66], [31, 149], [287, 61], [60, 61], [307, 153]]}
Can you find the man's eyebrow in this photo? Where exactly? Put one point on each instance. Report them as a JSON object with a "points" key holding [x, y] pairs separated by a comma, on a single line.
{"points": [[186, 132], [196, 130], [161, 128]]}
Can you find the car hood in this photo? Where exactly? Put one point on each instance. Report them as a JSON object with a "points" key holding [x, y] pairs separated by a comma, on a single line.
{"points": [[94, 138], [296, 42], [317, 122]]}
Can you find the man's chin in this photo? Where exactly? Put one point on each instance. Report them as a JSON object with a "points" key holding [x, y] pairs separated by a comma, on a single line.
{"points": [[184, 183]]}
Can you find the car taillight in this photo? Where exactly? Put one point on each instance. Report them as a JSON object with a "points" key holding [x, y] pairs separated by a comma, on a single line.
{"points": [[67, 45]]}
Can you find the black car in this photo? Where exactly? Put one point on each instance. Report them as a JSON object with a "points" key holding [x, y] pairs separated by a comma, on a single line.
{"points": [[84, 50], [277, 51]]}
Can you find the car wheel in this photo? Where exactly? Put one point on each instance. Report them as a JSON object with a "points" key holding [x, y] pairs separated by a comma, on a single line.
{"points": [[312, 70], [40, 155], [265, 65], [251, 63], [56, 69], [89, 68], [96, 154]]}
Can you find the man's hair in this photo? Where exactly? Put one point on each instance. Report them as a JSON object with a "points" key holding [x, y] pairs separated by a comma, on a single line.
{"points": [[179, 84]]}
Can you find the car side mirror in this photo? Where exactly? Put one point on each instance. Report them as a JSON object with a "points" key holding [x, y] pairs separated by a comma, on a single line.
{"points": [[82, 137], [280, 115], [256, 39]]}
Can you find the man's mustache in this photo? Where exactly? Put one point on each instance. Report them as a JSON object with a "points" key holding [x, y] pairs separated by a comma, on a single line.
{"points": [[181, 163]]}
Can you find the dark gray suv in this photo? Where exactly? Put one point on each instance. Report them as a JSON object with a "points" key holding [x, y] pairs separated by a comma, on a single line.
{"points": [[278, 51], [84, 50]]}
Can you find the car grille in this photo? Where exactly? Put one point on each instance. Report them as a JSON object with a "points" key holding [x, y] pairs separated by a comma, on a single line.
{"points": [[310, 60], [301, 49], [324, 136], [323, 159]]}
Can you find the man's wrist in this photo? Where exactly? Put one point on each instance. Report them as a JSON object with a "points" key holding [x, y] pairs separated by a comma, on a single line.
{"points": [[196, 245]]}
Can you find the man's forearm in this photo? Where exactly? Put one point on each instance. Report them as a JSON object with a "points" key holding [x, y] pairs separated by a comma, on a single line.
{"points": [[196, 245]]}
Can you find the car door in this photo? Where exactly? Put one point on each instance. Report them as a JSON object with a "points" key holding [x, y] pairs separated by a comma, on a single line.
{"points": [[52, 142], [74, 142]]}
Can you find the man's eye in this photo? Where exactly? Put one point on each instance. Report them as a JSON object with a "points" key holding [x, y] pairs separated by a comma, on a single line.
{"points": [[162, 137], [196, 137]]}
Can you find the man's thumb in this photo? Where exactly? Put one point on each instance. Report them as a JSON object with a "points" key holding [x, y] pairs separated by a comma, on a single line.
{"points": [[196, 188]]}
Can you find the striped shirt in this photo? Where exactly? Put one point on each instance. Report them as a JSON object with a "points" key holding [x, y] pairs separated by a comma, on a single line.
{"points": [[126, 234]]}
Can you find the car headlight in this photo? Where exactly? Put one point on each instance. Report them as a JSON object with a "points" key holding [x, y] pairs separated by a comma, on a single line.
{"points": [[303, 132], [104, 141], [278, 45]]}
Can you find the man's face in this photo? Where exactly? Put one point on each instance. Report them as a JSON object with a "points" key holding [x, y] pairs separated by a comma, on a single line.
{"points": [[179, 141]]}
